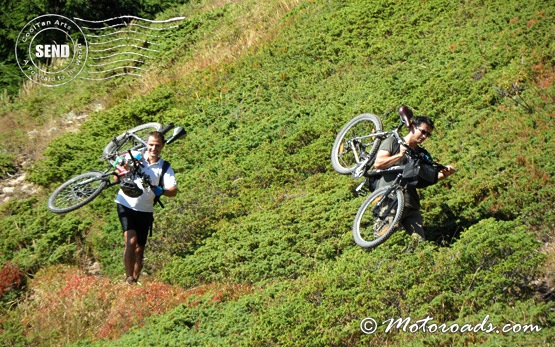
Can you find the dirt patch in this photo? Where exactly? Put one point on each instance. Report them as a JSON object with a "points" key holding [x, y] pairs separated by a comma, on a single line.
{"points": [[16, 186]]}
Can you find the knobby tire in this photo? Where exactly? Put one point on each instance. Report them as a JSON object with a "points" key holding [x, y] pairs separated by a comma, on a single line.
{"points": [[77, 192], [342, 157], [392, 210]]}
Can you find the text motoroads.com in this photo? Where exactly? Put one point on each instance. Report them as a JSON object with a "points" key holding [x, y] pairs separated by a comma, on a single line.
{"points": [[427, 325]]}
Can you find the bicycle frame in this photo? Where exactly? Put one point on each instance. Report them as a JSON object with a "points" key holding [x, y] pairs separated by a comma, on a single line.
{"points": [[178, 133], [82, 189], [375, 173], [124, 140], [381, 134], [380, 213], [105, 177], [357, 141], [361, 165], [395, 185]]}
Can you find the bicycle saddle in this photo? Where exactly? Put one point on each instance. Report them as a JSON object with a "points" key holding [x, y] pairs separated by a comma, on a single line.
{"points": [[406, 115]]}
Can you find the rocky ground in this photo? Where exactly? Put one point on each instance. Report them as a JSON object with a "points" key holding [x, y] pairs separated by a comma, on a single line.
{"points": [[16, 186]]}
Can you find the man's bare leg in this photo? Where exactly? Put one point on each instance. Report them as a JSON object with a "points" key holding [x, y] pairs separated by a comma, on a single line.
{"points": [[139, 255], [129, 254]]}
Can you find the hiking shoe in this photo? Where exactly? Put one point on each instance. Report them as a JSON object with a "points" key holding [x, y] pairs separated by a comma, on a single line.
{"points": [[130, 280]]}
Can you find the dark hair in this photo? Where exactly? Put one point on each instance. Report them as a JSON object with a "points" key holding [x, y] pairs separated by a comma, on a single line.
{"points": [[157, 135], [417, 121]]}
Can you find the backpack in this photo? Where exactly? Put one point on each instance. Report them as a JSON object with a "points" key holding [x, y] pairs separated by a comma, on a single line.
{"points": [[165, 168]]}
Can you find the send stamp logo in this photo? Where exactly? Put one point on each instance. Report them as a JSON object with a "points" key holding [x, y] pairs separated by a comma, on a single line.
{"points": [[124, 45], [51, 50]]}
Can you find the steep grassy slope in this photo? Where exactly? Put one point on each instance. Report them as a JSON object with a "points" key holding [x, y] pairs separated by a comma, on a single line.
{"points": [[260, 207]]}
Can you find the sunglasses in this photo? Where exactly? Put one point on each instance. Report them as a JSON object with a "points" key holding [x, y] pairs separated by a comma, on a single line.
{"points": [[424, 132]]}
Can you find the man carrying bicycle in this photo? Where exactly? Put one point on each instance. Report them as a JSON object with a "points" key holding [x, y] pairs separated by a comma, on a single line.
{"points": [[136, 210], [391, 153]]}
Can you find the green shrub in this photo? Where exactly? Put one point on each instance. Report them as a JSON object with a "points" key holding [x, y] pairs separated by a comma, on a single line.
{"points": [[7, 165], [486, 275]]}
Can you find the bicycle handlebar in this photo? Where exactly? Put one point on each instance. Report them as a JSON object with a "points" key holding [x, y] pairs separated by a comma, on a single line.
{"points": [[412, 153]]}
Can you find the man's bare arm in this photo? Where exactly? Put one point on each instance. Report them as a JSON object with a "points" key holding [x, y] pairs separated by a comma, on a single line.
{"points": [[384, 159], [172, 191]]}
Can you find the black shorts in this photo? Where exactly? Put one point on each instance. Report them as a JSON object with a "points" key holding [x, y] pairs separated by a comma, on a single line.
{"points": [[139, 221]]}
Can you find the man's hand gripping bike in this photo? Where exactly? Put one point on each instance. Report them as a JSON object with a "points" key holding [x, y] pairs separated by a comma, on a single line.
{"points": [[82, 189], [354, 152]]}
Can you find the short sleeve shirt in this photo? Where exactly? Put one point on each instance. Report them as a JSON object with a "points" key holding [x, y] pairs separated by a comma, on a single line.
{"points": [[390, 144], [145, 202]]}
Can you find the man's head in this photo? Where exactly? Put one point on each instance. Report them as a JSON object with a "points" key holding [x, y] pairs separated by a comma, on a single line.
{"points": [[154, 145], [421, 128]]}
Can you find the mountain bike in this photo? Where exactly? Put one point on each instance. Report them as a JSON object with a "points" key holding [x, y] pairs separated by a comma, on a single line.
{"points": [[354, 152], [84, 188]]}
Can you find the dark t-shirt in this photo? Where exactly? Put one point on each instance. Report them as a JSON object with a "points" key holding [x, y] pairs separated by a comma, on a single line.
{"points": [[390, 144]]}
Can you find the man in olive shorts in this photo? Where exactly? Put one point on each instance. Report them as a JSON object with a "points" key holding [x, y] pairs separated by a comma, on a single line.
{"points": [[136, 214], [392, 153]]}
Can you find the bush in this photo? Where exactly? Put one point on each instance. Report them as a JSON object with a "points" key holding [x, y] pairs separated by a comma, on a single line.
{"points": [[489, 272], [7, 165], [12, 281], [68, 305]]}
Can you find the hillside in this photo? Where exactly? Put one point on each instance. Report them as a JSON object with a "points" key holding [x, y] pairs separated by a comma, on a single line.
{"points": [[256, 249]]}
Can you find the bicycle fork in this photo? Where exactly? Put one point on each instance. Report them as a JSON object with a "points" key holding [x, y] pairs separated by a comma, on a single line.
{"points": [[383, 207]]}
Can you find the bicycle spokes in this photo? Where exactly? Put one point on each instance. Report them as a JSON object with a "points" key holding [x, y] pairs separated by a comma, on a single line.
{"points": [[352, 152], [77, 192], [379, 220], [355, 142], [353, 149]]}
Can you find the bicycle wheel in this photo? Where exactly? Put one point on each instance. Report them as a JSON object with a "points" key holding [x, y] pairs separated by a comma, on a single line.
{"points": [[378, 217], [77, 192], [353, 144], [113, 149]]}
